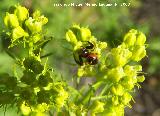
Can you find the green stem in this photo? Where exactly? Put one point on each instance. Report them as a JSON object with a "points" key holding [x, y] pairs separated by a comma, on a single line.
{"points": [[90, 92], [99, 97], [107, 86], [30, 49]]}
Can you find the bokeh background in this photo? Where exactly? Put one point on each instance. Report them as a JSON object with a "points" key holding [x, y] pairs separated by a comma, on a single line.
{"points": [[107, 24]]}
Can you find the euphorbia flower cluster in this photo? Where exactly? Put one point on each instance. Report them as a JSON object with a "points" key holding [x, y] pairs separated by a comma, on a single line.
{"points": [[37, 90], [117, 72]]}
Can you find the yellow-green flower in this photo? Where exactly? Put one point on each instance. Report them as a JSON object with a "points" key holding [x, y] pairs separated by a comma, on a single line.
{"points": [[11, 20], [18, 32], [21, 12]]}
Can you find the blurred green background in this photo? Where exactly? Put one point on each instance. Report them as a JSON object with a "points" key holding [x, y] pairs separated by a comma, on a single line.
{"points": [[107, 24]]}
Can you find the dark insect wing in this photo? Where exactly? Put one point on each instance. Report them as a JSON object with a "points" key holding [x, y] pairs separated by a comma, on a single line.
{"points": [[77, 59], [83, 52], [90, 46]]}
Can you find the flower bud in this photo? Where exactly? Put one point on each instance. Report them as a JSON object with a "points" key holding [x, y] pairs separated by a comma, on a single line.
{"points": [[85, 34], [138, 53], [70, 37], [126, 98], [17, 33], [43, 19], [120, 56], [81, 72], [133, 37], [41, 108], [80, 110], [129, 82], [36, 38], [113, 110], [86, 70], [36, 14], [117, 89], [93, 39], [97, 107], [140, 79], [61, 97], [115, 74], [21, 12], [137, 67], [115, 100], [11, 20], [78, 45], [141, 38], [26, 110], [130, 71], [102, 45], [33, 25], [130, 38]]}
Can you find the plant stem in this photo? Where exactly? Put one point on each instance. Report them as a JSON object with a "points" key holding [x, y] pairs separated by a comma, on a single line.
{"points": [[90, 92]]}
